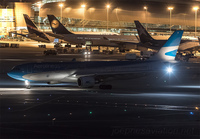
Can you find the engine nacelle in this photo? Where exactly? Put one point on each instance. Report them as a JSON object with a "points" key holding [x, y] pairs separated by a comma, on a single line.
{"points": [[86, 82]]}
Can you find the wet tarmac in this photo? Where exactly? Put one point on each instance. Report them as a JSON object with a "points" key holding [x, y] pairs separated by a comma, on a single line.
{"points": [[156, 106]]}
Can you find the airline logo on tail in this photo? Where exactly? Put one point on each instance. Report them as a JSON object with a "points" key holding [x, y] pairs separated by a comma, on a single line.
{"points": [[55, 24], [169, 49]]}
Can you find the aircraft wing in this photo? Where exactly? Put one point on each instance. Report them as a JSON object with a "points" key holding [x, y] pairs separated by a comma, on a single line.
{"points": [[116, 76], [122, 41], [195, 48], [55, 35], [24, 35], [120, 76]]}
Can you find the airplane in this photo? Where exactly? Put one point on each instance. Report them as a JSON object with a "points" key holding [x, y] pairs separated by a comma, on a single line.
{"points": [[149, 42], [34, 33], [120, 41], [90, 73]]}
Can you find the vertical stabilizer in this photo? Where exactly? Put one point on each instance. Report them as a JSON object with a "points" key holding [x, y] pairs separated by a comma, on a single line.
{"points": [[30, 25], [56, 26], [169, 49], [33, 30], [142, 32]]}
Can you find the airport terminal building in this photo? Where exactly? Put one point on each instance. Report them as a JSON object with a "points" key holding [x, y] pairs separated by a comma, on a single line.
{"points": [[96, 15]]}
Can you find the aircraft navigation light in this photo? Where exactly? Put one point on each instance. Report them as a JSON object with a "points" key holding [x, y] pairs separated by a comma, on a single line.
{"points": [[169, 70], [191, 113]]}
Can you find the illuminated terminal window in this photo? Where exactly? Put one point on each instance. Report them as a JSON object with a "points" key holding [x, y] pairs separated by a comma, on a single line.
{"points": [[7, 21]]}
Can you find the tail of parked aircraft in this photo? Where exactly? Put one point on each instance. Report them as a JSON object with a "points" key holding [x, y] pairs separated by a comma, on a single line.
{"points": [[33, 30], [30, 25], [56, 26], [169, 49], [142, 32]]}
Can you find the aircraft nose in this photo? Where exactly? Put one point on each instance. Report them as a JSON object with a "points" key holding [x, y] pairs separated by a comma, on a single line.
{"points": [[11, 74]]}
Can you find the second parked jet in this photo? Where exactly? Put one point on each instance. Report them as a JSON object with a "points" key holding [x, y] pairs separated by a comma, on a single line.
{"points": [[120, 41]]}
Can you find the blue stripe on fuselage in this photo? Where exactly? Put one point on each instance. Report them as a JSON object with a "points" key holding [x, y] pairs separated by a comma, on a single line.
{"points": [[45, 67]]}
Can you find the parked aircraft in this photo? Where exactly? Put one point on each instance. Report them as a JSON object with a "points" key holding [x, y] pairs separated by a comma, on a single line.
{"points": [[34, 33], [90, 73], [120, 41], [149, 42]]}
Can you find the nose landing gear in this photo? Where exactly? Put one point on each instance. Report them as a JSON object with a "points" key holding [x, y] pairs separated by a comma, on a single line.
{"points": [[27, 84]]}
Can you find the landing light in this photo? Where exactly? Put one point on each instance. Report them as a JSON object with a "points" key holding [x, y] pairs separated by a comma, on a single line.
{"points": [[169, 70], [27, 82]]}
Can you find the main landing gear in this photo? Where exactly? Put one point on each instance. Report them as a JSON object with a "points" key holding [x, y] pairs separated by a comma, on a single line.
{"points": [[27, 84]]}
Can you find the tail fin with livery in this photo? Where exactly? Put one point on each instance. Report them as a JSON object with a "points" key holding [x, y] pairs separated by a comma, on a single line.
{"points": [[168, 51], [30, 25], [142, 32], [56, 26], [34, 33]]}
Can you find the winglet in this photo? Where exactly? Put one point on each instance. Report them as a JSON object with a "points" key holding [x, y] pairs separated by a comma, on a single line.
{"points": [[56, 26]]}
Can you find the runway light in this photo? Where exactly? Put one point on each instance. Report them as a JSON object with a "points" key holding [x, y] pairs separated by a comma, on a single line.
{"points": [[90, 112], [197, 108], [169, 70], [125, 110], [191, 113]]}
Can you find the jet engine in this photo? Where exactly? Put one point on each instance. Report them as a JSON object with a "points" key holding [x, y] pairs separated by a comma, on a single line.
{"points": [[86, 82]]}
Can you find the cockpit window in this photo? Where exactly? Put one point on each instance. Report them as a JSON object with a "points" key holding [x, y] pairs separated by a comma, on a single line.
{"points": [[16, 68]]}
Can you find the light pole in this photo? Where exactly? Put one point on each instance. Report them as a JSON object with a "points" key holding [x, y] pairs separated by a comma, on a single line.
{"points": [[83, 6], [145, 8], [39, 6], [195, 20], [170, 16], [61, 5], [107, 7]]}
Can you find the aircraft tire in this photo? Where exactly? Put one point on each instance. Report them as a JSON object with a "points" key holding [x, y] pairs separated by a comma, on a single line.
{"points": [[28, 87]]}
